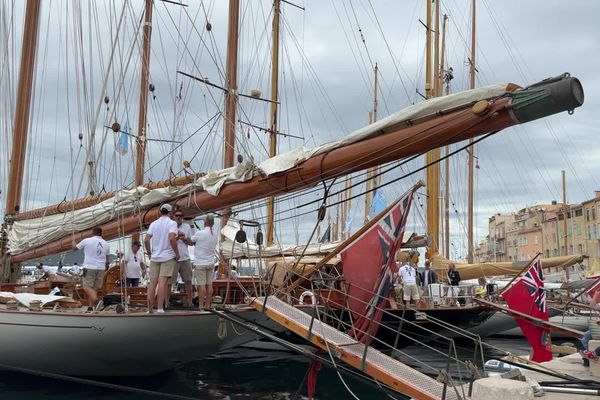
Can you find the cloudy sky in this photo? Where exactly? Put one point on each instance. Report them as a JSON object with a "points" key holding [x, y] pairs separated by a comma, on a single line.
{"points": [[328, 53]]}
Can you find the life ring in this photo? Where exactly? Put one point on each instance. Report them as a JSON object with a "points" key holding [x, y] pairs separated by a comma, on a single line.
{"points": [[312, 296]]}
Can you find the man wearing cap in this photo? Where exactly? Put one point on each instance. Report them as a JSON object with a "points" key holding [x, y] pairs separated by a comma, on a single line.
{"points": [[161, 247]]}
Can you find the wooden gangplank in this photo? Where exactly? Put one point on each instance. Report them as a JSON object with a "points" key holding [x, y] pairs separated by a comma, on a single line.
{"points": [[536, 321], [379, 366]]}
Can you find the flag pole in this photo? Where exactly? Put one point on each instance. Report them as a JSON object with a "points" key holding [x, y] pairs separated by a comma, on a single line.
{"points": [[520, 273]]}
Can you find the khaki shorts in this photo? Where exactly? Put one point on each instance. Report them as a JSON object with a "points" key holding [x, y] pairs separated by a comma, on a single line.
{"points": [[93, 278], [411, 292], [203, 274], [164, 268], [184, 268]]}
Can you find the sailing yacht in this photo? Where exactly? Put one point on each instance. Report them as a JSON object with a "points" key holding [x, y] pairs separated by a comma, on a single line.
{"points": [[151, 343]]}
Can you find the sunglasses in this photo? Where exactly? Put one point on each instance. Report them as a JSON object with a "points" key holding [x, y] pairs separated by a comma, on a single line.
{"points": [[178, 215]]}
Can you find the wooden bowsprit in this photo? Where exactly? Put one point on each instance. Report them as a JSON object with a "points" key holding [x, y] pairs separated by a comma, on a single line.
{"points": [[536, 321], [374, 363]]}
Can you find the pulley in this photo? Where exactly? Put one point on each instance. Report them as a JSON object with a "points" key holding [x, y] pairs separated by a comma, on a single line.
{"points": [[321, 213], [106, 99], [80, 136], [259, 238], [151, 87], [240, 236], [240, 158], [208, 26], [116, 127], [186, 164]]}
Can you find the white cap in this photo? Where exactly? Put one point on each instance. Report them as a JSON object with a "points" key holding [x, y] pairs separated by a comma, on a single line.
{"points": [[167, 207]]}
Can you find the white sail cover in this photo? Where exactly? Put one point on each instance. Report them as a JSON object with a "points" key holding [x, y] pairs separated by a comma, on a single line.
{"points": [[28, 234]]}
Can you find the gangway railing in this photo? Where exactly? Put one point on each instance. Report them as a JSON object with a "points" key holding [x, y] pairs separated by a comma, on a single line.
{"points": [[387, 370]]}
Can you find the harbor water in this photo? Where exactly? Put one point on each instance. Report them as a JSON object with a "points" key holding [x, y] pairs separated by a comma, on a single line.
{"points": [[242, 373]]}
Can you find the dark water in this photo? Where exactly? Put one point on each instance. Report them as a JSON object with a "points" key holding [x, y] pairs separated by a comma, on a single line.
{"points": [[237, 374]]}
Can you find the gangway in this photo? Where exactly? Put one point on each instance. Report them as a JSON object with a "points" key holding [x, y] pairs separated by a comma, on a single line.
{"points": [[374, 363]]}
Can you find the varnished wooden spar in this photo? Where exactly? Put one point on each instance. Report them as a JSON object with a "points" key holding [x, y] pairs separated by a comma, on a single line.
{"points": [[403, 140], [93, 200]]}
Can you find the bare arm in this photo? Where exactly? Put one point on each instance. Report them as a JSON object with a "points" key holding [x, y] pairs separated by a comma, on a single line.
{"points": [[173, 241], [147, 244]]}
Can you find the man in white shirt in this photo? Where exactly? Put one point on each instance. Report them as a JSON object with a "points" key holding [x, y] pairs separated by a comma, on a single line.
{"points": [[95, 250], [408, 276], [75, 270], [132, 265], [161, 247], [184, 265], [205, 241], [48, 273]]}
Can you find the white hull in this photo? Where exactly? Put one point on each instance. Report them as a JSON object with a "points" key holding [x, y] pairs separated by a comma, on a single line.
{"points": [[89, 344]]}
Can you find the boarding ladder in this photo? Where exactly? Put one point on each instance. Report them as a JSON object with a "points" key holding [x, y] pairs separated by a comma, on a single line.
{"points": [[372, 362]]}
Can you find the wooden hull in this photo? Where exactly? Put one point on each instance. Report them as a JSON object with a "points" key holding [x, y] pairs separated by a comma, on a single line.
{"points": [[89, 344]]}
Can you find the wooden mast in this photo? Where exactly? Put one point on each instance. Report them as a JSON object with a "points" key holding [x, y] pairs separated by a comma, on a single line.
{"points": [[372, 178], [21, 126], [368, 183], [565, 215], [231, 95], [447, 148], [274, 98], [471, 150], [140, 151], [23, 107], [431, 158]]}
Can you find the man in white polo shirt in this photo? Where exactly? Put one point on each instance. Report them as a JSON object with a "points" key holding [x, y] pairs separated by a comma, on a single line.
{"points": [[184, 265], [161, 247], [95, 250], [132, 265]]}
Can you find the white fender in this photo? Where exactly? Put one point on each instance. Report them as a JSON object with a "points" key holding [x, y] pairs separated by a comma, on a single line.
{"points": [[307, 293]]}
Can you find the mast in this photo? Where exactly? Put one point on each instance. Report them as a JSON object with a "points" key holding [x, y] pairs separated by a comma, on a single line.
{"points": [[274, 98], [447, 159], [432, 156], [231, 95], [368, 183], [23, 107], [565, 225], [140, 152], [372, 178], [376, 177], [471, 150], [21, 126]]}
